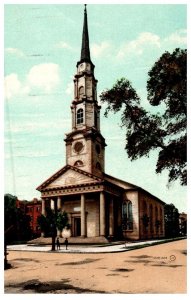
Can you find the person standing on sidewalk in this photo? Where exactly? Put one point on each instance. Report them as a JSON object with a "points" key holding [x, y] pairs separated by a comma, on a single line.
{"points": [[57, 243], [66, 243]]}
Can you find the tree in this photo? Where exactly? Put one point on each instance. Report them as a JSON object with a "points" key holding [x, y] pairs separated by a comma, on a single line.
{"points": [[171, 217], [10, 217], [52, 220], [61, 220], [17, 224], [165, 130]]}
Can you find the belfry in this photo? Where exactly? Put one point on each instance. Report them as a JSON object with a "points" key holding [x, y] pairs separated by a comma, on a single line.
{"points": [[98, 205]]}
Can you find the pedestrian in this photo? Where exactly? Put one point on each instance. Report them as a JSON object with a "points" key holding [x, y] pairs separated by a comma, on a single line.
{"points": [[66, 243], [57, 243]]}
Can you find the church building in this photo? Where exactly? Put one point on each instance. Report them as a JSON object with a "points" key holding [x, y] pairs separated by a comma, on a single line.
{"points": [[98, 205]]}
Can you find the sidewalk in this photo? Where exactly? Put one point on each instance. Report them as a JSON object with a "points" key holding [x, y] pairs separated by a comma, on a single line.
{"points": [[89, 248]]}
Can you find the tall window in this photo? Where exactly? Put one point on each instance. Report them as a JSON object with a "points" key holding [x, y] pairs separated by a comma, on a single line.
{"points": [[157, 221], [80, 116], [98, 166], [151, 218], [161, 220], [95, 119], [81, 92], [127, 216]]}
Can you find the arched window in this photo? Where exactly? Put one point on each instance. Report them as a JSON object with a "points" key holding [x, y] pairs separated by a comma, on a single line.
{"points": [[130, 214], [157, 221], [78, 163], [124, 210], [156, 213], [80, 116], [161, 220], [151, 218], [127, 216], [145, 217], [98, 166], [81, 92], [144, 207]]}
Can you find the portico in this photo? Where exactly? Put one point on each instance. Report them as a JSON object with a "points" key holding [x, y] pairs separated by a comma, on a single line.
{"points": [[90, 208]]}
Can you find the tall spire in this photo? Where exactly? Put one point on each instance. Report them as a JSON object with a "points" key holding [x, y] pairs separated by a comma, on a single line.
{"points": [[85, 51]]}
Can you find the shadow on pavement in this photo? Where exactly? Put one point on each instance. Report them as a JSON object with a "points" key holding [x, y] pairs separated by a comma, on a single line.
{"points": [[35, 286], [85, 261]]}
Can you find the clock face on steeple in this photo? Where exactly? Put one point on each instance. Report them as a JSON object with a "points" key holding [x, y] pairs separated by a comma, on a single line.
{"points": [[78, 147], [84, 67], [81, 67]]}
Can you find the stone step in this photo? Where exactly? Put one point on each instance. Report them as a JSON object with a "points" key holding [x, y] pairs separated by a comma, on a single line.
{"points": [[71, 240]]}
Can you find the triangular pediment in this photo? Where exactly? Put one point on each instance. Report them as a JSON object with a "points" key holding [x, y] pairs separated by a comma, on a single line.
{"points": [[68, 176]]}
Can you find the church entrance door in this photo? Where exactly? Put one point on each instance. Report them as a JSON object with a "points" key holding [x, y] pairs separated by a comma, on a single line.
{"points": [[77, 226]]}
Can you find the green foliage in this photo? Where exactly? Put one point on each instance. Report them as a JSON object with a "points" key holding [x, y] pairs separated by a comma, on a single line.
{"points": [[10, 211], [43, 223], [168, 83], [17, 224], [52, 220], [163, 131], [61, 220], [171, 217]]}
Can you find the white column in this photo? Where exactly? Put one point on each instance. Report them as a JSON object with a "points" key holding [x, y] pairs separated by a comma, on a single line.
{"points": [[43, 206], [59, 203], [111, 217], [102, 214], [43, 213], [52, 206], [83, 216]]}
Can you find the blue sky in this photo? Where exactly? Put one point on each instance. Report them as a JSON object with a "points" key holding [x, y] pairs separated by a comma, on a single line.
{"points": [[42, 47]]}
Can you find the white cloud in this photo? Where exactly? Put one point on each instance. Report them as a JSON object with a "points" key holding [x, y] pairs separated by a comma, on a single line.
{"points": [[14, 51], [44, 76], [63, 45], [12, 85], [101, 49], [178, 37], [137, 46]]}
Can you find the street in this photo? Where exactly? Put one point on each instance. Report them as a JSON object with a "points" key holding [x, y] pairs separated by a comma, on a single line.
{"points": [[156, 269]]}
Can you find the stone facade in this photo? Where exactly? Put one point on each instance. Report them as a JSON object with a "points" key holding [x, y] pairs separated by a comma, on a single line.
{"points": [[98, 205]]}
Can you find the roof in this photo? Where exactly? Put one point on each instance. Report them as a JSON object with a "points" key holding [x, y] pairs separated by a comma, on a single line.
{"points": [[119, 182], [85, 178], [127, 186], [62, 171], [85, 51]]}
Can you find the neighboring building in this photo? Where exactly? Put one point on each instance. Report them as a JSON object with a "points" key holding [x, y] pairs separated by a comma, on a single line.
{"points": [[33, 209], [98, 205], [183, 223]]}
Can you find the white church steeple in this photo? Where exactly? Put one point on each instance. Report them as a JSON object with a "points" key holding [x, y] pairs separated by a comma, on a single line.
{"points": [[85, 145]]}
